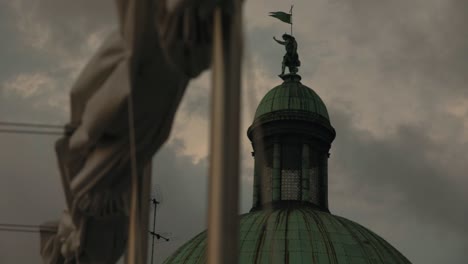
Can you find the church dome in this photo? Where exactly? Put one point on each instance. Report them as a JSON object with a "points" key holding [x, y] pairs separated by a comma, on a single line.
{"points": [[291, 96], [290, 221], [298, 235]]}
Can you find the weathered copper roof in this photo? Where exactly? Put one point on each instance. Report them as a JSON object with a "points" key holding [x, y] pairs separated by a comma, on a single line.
{"points": [[298, 235], [291, 95]]}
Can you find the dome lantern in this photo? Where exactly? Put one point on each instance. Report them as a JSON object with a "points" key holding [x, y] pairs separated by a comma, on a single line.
{"points": [[291, 136]]}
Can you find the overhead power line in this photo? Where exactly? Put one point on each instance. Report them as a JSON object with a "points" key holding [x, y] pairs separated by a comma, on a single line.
{"points": [[22, 124], [35, 132], [27, 228], [30, 128]]}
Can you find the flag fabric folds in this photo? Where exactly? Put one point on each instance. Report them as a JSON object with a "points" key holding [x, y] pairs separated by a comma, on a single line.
{"points": [[285, 17], [159, 47]]}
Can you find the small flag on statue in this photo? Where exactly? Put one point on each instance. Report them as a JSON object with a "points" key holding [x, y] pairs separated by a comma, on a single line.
{"points": [[285, 17]]}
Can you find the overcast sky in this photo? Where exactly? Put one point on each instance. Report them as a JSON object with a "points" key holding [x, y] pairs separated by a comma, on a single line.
{"points": [[393, 75]]}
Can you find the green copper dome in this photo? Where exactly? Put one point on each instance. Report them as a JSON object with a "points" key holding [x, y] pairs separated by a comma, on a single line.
{"points": [[298, 235], [291, 95]]}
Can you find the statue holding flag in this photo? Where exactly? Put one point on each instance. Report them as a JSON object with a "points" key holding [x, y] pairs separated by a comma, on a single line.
{"points": [[291, 58]]}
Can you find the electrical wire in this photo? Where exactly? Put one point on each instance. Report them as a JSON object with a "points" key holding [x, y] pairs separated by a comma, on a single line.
{"points": [[27, 228], [33, 132], [22, 124], [30, 128]]}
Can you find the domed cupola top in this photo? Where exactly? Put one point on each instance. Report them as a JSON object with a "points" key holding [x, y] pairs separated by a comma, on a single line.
{"points": [[293, 97]]}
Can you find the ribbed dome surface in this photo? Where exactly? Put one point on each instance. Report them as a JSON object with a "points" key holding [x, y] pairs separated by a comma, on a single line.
{"points": [[291, 95], [299, 235]]}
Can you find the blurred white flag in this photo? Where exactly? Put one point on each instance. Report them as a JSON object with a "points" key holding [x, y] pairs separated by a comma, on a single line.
{"points": [[161, 44]]}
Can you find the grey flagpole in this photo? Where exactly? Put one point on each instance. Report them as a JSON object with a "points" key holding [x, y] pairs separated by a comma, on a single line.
{"points": [[137, 25], [223, 219]]}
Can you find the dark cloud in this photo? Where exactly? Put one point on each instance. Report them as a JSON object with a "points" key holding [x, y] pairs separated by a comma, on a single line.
{"points": [[409, 164], [64, 23], [409, 44], [406, 178], [197, 97]]}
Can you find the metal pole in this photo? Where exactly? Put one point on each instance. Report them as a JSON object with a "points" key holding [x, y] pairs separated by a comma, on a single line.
{"points": [[136, 27], [138, 227], [155, 203], [223, 219], [290, 11]]}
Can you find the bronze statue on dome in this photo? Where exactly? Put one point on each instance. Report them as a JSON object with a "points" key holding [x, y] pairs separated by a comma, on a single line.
{"points": [[291, 58]]}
